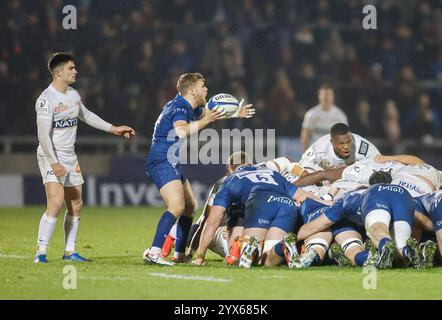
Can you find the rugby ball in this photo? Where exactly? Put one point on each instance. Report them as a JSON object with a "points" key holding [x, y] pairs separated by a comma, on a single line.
{"points": [[223, 101]]}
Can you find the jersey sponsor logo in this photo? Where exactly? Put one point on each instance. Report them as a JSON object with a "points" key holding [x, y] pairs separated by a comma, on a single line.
{"points": [[411, 187], [284, 200], [179, 109], [42, 106], [363, 148], [61, 124], [263, 221], [439, 223], [381, 205], [391, 189], [61, 107]]}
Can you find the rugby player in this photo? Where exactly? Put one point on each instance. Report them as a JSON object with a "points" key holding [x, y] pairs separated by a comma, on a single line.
{"points": [[269, 213], [375, 208], [338, 149], [180, 117], [58, 109]]}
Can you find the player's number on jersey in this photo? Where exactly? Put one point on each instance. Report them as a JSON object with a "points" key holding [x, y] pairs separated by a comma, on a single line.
{"points": [[261, 177]]}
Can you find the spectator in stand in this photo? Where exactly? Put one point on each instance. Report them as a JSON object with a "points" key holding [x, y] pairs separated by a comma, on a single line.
{"points": [[319, 119], [391, 124], [362, 120]]}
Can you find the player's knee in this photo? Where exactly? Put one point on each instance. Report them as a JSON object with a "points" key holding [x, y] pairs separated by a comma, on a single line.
{"points": [[55, 204], [319, 245], [352, 245], [177, 209]]}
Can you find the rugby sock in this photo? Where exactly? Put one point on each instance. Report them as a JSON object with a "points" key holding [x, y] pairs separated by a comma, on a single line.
{"points": [[71, 225], [382, 243], [172, 232], [361, 257], [166, 222], [182, 233], [278, 249], [45, 231]]}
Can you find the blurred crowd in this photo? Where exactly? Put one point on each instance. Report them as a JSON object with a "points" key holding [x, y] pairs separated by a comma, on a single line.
{"points": [[274, 53]]}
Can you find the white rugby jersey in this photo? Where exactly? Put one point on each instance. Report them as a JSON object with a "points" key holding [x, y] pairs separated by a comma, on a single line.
{"points": [[361, 171], [407, 177], [319, 121], [321, 155], [63, 110]]}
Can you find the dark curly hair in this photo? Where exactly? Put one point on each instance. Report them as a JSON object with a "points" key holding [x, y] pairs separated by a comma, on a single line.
{"points": [[380, 177]]}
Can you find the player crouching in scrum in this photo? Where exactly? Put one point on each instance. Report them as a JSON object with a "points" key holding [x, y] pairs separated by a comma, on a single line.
{"points": [[269, 212]]}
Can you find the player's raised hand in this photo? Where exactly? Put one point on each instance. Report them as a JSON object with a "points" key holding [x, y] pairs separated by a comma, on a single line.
{"points": [[59, 170], [244, 111], [215, 114], [124, 131]]}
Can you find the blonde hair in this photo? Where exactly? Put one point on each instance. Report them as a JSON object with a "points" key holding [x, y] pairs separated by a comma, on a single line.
{"points": [[186, 80]]}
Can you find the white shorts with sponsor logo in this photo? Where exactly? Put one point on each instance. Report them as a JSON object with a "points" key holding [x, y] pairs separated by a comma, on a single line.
{"points": [[69, 161]]}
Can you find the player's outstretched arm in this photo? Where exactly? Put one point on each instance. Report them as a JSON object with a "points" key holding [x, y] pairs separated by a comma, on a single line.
{"points": [[319, 176], [406, 159], [213, 222], [184, 129], [95, 121], [314, 227]]}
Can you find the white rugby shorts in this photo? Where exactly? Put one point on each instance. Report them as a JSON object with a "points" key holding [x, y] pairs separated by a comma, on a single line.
{"points": [[69, 161]]}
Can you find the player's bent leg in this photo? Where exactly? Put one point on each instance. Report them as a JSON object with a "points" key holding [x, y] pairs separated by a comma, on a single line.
{"points": [[236, 240], [275, 251], [55, 199], [74, 203], [377, 224], [350, 242], [316, 248], [173, 195]]}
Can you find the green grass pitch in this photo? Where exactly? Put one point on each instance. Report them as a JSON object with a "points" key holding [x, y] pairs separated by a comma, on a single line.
{"points": [[115, 239]]}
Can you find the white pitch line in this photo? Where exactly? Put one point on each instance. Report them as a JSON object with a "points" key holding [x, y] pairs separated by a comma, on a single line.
{"points": [[11, 256], [273, 277], [179, 276]]}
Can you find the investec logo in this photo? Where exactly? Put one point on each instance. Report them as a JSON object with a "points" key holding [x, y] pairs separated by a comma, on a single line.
{"points": [[60, 124]]}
